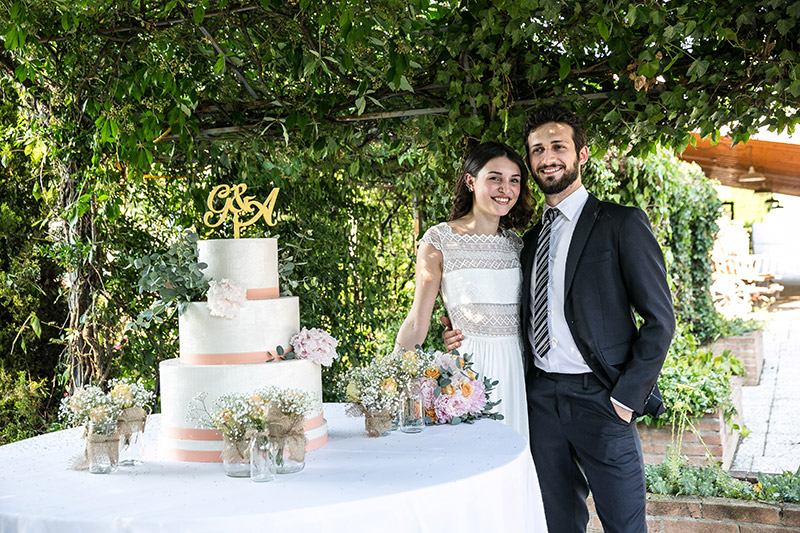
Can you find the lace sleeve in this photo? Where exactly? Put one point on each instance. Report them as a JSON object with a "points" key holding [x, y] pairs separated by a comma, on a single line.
{"points": [[514, 239], [433, 237]]}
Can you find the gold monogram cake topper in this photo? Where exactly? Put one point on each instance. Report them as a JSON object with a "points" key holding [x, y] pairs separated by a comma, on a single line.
{"points": [[236, 203]]}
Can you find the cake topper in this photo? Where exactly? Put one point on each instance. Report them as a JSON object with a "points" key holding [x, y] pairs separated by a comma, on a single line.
{"points": [[236, 204]]}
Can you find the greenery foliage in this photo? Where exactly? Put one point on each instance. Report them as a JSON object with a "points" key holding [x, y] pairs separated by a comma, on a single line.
{"points": [[31, 306], [119, 117], [25, 406], [175, 275], [694, 381], [683, 209], [712, 481], [737, 327]]}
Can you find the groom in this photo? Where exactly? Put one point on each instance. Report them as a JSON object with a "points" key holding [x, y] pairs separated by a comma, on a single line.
{"points": [[591, 367]]}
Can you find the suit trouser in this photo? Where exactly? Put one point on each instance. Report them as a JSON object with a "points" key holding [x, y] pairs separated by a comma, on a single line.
{"points": [[579, 444]]}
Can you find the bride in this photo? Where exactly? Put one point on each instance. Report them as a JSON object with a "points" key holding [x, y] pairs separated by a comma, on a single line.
{"points": [[473, 260]]}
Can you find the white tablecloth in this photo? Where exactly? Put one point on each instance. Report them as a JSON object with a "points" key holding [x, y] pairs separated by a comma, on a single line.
{"points": [[447, 478]]}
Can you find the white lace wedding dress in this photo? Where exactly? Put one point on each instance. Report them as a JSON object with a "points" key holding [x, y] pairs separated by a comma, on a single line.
{"points": [[481, 282]]}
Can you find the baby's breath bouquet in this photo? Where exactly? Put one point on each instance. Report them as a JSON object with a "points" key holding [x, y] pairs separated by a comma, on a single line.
{"points": [[91, 406], [237, 417], [231, 414], [293, 403], [273, 412], [128, 394], [287, 411], [375, 390], [133, 400]]}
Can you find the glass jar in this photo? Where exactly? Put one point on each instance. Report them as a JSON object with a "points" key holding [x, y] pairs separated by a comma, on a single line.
{"points": [[412, 411], [236, 457], [262, 459], [378, 423], [284, 463], [131, 442], [102, 447]]}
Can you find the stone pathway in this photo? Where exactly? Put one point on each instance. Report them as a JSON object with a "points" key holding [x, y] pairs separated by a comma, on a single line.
{"points": [[771, 409]]}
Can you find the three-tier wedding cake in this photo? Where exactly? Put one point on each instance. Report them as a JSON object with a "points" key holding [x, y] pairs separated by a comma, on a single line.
{"points": [[221, 355]]}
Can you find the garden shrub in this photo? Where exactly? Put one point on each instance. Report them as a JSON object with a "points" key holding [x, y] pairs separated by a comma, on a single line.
{"points": [[24, 406], [694, 381], [711, 481]]}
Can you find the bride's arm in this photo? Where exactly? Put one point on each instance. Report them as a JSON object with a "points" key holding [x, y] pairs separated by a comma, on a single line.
{"points": [[428, 277]]}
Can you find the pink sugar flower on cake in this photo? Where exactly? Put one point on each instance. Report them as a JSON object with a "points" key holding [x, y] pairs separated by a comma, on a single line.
{"points": [[315, 345], [225, 298]]}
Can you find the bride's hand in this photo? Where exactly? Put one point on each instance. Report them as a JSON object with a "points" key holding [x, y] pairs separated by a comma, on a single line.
{"points": [[452, 337]]}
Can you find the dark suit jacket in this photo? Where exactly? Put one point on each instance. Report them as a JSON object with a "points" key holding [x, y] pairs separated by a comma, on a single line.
{"points": [[614, 266]]}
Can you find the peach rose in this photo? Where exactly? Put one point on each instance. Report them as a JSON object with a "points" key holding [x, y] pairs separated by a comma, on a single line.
{"points": [[432, 373], [353, 393], [466, 390], [389, 386], [448, 390], [431, 413], [98, 413]]}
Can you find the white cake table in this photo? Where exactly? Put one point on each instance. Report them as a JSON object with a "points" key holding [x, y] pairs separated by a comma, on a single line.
{"points": [[462, 478]]}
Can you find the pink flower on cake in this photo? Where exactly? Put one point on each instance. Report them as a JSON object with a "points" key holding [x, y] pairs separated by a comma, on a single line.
{"points": [[225, 298], [315, 345]]}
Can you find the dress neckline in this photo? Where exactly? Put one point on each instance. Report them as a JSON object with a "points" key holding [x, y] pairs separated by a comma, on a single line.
{"points": [[501, 235]]}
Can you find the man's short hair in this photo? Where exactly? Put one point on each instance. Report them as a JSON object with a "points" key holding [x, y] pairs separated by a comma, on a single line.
{"points": [[543, 114]]}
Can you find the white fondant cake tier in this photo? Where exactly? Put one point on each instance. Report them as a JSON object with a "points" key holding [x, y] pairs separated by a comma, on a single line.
{"points": [[251, 263], [180, 439], [261, 326]]}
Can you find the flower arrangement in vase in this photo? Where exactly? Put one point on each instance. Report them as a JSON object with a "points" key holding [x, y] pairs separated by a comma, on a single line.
{"points": [[374, 391], [287, 411], [233, 414], [92, 407], [134, 401], [271, 413]]}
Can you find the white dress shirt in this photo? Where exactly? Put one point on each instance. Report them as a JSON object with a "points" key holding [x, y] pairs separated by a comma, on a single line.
{"points": [[563, 356]]}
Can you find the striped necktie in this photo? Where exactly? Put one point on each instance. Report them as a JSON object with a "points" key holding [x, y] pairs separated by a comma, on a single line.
{"points": [[541, 331]]}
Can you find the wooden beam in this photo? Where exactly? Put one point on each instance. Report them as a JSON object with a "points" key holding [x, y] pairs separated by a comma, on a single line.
{"points": [[778, 163]]}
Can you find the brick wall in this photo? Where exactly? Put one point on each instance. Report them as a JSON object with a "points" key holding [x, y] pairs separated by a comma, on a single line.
{"points": [[691, 514], [714, 432], [749, 349]]}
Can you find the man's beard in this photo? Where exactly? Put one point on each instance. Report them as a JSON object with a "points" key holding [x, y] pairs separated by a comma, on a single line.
{"points": [[554, 187]]}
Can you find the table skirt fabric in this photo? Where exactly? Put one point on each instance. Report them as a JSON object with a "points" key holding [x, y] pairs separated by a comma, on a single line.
{"points": [[477, 477]]}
